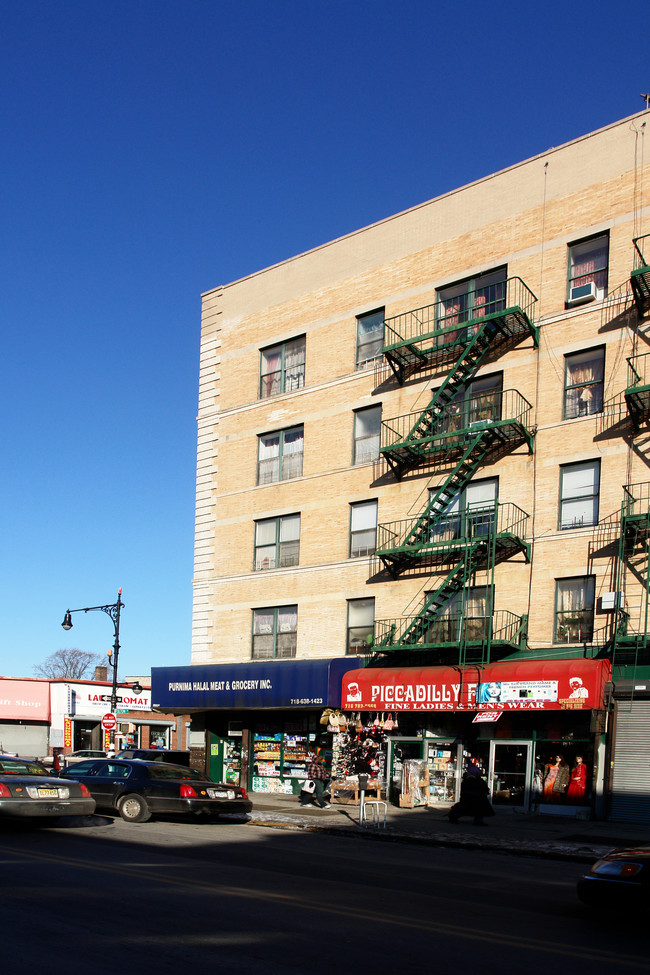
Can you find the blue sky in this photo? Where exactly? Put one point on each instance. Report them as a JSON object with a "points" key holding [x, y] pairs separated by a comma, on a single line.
{"points": [[154, 149]]}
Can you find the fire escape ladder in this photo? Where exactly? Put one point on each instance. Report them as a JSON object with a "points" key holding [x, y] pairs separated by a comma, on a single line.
{"points": [[461, 474], [408, 453], [467, 363], [475, 557]]}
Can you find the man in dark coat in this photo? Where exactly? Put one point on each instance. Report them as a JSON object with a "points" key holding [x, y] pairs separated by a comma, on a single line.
{"points": [[474, 798]]}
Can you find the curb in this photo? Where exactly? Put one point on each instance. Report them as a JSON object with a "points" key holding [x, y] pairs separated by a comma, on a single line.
{"points": [[577, 854]]}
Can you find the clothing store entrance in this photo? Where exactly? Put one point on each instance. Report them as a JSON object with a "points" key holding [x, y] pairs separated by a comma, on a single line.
{"points": [[510, 773]]}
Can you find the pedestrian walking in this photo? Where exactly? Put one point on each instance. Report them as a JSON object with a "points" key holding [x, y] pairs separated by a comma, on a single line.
{"points": [[318, 774], [474, 798]]}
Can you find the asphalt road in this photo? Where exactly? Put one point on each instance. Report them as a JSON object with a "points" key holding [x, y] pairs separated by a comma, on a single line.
{"points": [[177, 897]]}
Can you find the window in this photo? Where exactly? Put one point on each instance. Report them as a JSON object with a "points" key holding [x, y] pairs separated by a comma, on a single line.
{"points": [[476, 404], [361, 625], [367, 426], [574, 609], [471, 513], [579, 487], [587, 277], [363, 528], [282, 368], [465, 616], [274, 632], [470, 299], [279, 456], [277, 542], [370, 337], [583, 383]]}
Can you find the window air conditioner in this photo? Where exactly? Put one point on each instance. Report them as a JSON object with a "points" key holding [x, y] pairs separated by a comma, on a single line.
{"points": [[581, 293], [612, 600]]}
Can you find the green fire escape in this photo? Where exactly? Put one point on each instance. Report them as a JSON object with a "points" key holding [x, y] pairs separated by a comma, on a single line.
{"points": [[458, 432], [640, 277], [630, 637], [637, 393], [630, 644], [453, 332]]}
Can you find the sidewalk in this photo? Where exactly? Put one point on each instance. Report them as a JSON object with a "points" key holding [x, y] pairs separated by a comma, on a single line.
{"points": [[526, 834]]}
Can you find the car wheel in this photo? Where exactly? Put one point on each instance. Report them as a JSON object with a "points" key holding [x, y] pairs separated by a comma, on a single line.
{"points": [[134, 809]]}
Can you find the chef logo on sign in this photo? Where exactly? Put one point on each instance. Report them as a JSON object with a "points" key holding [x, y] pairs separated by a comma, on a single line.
{"points": [[577, 688]]}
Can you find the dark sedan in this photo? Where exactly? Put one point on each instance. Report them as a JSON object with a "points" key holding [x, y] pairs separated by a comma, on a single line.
{"points": [[138, 789], [29, 791], [620, 879]]}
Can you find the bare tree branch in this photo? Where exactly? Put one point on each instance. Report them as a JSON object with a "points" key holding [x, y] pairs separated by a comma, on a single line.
{"points": [[69, 662]]}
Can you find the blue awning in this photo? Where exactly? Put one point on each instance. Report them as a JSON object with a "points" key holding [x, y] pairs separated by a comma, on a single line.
{"points": [[257, 684]]}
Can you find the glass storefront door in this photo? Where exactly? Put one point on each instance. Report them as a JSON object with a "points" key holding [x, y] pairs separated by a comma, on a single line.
{"points": [[509, 774], [400, 750]]}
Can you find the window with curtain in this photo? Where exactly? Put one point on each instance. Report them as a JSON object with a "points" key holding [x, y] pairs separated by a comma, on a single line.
{"points": [[361, 625], [279, 455], [588, 261], [470, 513], [282, 368], [363, 528], [584, 383], [468, 300], [277, 542], [574, 609], [466, 616], [275, 631], [478, 402], [370, 337], [367, 427], [579, 490]]}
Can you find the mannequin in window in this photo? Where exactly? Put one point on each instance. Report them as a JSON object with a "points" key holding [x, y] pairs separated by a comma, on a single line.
{"points": [[578, 781], [556, 780]]}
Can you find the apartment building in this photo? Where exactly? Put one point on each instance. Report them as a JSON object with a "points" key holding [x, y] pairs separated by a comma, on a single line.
{"points": [[423, 489]]}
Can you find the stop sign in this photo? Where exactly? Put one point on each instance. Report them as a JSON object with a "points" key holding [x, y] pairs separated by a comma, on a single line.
{"points": [[109, 721]]}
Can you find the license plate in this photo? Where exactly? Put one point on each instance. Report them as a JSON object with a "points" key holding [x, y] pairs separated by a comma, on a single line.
{"points": [[44, 793], [221, 794]]}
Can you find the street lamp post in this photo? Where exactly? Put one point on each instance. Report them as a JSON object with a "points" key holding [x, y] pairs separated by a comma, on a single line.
{"points": [[112, 610]]}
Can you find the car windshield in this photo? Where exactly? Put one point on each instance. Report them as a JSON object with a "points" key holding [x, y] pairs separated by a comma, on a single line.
{"points": [[163, 771], [20, 767]]}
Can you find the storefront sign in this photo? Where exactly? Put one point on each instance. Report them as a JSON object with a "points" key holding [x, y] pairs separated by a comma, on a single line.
{"points": [[67, 732], [24, 700], [258, 684], [91, 699], [531, 685], [486, 716]]}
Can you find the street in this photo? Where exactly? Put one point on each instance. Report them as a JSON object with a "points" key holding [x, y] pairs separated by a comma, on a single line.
{"points": [[166, 896]]}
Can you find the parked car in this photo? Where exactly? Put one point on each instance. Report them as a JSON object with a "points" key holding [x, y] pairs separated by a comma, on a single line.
{"points": [[156, 755], [28, 790], [620, 879], [74, 757], [139, 789]]}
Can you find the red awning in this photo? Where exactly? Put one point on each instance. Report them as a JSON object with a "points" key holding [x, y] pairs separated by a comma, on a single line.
{"points": [[527, 685]]}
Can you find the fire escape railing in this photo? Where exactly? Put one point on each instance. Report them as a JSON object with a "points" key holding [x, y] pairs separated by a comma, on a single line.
{"points": [[640, 276], [435, 334]]}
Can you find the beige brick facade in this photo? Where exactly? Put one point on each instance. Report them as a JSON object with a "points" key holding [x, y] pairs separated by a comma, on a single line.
{"points": [[525, 218]]}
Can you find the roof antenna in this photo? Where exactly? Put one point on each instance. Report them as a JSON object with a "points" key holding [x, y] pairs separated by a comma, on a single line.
{"points": [[646, 99]]}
